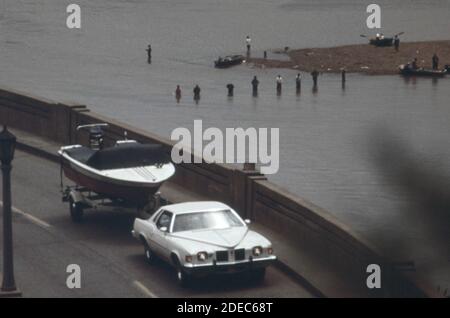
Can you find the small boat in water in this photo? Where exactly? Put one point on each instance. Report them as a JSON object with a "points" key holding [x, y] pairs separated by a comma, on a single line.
{"points": [[229, 61], [408, 70], [128, 171], [381, 42]]}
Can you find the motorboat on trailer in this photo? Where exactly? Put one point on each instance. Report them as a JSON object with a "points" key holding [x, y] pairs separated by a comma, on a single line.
{"points": [[129, 171]]}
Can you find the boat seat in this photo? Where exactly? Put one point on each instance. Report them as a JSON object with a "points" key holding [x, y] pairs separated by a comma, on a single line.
{"points": [[81, 154]]}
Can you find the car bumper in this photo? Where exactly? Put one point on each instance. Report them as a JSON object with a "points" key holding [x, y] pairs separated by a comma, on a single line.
{"points": [[229, 267]]}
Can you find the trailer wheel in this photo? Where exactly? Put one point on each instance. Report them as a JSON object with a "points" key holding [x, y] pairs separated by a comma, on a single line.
{"points": [[76, 211]]}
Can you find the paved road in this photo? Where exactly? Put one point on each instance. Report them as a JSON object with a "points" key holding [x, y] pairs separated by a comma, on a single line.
{"points": [[111, 261]]}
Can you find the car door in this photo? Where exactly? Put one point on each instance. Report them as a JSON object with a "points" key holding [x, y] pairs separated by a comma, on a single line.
{"points": [[164, 220], [150, 227]]}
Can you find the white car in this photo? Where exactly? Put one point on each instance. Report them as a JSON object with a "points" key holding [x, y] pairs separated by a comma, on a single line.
{"points": [[198, 238]]}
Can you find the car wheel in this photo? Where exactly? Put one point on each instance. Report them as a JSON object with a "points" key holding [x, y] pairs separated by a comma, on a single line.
{"points": [[148, 253], [76, 211], [259, 274], [183, 278]]}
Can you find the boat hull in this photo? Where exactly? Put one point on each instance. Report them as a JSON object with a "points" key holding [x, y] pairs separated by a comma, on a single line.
{"points": [[135, 193], [422, 72], [382, 42], [229, 61]]}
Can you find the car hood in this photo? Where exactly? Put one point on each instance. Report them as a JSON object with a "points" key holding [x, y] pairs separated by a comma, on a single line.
{"points": [[226, 238]]}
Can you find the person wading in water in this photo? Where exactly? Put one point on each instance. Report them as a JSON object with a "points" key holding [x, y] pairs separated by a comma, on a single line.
{"points": [[149, 54], [279, 84], [230, 88], [298, 83], [315, 75], [196, 93], [255, 84], [178, 93], [248, 42]]}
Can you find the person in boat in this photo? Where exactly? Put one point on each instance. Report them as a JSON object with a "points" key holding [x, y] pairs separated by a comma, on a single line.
{"points": [[396, 43], [435, 61], [197, 93], [315, 75], [279, 81], [178, 93], [298, 82], [248, 42], [414, 65], [379, 36], [149, 54], [230, 88], [255, 84]]}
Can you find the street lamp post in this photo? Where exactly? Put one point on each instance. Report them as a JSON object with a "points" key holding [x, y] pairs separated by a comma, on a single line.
{"points": [[7, 147]]}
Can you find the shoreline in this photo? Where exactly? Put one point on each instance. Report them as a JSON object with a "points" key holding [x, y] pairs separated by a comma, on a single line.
{"points": [[359, 58]]}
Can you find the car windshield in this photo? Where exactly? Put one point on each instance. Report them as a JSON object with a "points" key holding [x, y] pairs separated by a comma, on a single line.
{"points": [[206, 220]]}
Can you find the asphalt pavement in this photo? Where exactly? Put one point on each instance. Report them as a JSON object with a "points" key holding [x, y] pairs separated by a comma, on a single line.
{"points": [[112, 264]]}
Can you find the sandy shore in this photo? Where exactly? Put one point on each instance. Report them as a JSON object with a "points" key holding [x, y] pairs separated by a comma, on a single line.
{"points": [[361, 58]]}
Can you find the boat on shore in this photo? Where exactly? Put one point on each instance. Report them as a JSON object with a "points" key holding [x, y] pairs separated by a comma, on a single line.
{"points": [[228, 61], [407, 70], [128, 171]]}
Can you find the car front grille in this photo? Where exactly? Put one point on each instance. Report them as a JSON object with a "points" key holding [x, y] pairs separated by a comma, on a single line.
{"points": [[222, 256], [239, 255]]}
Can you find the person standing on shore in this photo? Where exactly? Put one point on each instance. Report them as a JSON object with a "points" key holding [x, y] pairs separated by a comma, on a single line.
{"points": [[396, 43], [178, 93], [298, 83], [196, 93], [315, 75], [248, 42], [255, 84], [279, 81], [435, 61], [149, 54]]}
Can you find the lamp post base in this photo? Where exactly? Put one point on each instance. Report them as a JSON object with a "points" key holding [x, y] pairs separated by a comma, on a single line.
{"points": [[11, 293]]}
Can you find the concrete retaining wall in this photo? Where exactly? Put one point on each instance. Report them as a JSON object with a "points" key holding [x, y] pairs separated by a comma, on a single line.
{"points": [[247, 191]]}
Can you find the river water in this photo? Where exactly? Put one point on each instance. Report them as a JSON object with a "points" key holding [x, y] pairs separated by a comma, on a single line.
{"points": [[359, 152]]}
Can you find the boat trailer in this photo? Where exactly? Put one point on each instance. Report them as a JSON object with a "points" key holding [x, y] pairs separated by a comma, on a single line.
{"points": [[80, 199]]}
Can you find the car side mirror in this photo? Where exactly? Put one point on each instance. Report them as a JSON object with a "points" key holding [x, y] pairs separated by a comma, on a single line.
{"points": [[247, 221], [163, 229]]}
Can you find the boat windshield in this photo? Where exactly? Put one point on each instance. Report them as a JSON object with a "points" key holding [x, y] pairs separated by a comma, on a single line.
{"points": [[206, 220]]}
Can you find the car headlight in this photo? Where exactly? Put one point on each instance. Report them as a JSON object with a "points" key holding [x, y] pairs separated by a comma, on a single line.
{"points": [[202, 256], [188, 259], [257, 250]]}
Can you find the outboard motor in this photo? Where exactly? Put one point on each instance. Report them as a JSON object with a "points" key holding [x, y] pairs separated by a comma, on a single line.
{"points": [[96, 137]]}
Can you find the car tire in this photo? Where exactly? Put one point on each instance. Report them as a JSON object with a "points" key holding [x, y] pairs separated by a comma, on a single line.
{"points": [[259, 275], [183, 278], [148, 253], [76, 211]]}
